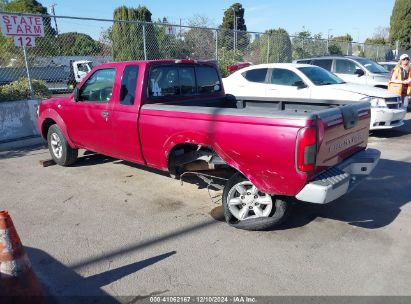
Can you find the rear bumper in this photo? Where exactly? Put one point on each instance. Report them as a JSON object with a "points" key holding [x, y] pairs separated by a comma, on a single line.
{"points": [[387, 118], [340, 179]]}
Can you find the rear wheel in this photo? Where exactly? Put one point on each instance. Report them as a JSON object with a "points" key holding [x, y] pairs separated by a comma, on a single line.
{"points": [[245, 207], [60, 150]]}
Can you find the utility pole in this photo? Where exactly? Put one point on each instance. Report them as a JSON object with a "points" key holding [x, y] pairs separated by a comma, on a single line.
{"points": [[54, 14], [234, 28], [328, 41]]}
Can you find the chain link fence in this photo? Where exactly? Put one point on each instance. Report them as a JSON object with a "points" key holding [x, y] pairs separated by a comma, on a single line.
{"points": [[62, 59]]}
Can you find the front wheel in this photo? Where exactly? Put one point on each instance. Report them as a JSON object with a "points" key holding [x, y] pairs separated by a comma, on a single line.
{"points": [[245, 207], [60, 150]]}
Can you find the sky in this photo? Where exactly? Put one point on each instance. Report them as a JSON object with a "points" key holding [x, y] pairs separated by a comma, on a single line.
{"points": [[359, 18]]}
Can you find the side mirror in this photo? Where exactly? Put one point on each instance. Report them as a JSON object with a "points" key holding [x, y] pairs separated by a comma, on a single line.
{"points": [[299, 84], [76, 94], [359, 72]]}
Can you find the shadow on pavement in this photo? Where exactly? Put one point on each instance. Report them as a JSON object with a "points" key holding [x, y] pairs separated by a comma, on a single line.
{"points": [[20, 152], [63, 285], [373, 204]]}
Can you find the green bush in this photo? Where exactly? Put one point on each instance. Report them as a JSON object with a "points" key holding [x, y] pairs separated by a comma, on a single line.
{"points": [[19, 90]]}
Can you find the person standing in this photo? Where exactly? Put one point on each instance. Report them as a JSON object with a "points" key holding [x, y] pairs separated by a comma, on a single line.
{"points": [[400, 82]]}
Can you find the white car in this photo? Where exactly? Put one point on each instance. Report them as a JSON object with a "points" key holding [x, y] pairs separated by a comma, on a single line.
{"points": [[304, 81], [388, 65], [352, 69]]}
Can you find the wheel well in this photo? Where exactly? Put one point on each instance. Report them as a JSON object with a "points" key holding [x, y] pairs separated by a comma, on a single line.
{"points": [[189, 157], [48, 122]]}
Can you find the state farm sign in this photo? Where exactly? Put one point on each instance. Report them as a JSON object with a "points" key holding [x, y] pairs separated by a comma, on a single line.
{"points": [[24, 29]]}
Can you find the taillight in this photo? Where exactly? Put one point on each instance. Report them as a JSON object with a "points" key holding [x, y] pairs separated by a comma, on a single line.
{"points": [[306, 149]]}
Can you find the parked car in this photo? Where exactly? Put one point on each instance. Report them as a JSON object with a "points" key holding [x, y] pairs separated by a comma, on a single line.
{"points": [[290, 80], [352, 69], [234, 67], [388, 65], [175, 116]]}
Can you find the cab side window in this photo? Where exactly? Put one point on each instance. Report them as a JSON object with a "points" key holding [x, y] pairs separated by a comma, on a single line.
{"points": [[128, 85], [98, 87], [284, 77], [345, 67]]}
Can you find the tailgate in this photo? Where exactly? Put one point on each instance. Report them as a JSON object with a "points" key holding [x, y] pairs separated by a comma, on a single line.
{"points": [[342, 131]]}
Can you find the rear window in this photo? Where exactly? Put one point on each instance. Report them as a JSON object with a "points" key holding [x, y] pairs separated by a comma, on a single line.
{"points": [[207, 80], [180, 80], [255, 75]]}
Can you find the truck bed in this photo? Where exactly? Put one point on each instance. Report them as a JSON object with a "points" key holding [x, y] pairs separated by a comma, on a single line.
{"points": [[259, 140]]}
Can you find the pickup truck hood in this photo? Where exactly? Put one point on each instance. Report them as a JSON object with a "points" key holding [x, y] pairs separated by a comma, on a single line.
{"points": [[365, 90]]}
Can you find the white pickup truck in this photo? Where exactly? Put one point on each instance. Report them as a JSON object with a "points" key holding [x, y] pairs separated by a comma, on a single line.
{"points": [[291, 80]]}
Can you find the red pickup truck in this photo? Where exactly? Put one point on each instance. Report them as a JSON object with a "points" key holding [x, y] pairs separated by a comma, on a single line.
{"points": [[173, 115]]}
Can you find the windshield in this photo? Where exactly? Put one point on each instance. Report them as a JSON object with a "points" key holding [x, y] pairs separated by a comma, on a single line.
{"points": [[372, 66], [320, 76]]}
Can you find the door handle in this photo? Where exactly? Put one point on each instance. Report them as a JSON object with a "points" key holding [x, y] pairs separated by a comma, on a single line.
{"points": [[104, 113]]}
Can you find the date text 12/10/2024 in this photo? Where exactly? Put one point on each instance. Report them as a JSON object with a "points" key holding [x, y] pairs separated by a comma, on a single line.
{"points": [[203, 299]]}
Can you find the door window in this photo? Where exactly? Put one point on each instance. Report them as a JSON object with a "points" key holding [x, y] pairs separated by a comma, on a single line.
{"points": [[128, 85], [99, 87], [284, 77], [345, 67], [323, 63], [83, 67]]}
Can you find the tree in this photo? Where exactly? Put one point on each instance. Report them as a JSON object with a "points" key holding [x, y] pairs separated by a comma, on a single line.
{"points": [[77, 44], [170, 45], [345, 38], [277, 43], [400, 24], [105, 42], [340, 45], [200, 40], [305, 45], [128, 37], [3, 4], [382, 33], [227, 28]]}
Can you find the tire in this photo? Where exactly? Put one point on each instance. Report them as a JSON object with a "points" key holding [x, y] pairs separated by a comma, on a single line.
{"points": [[60, 150], [247, 208]]}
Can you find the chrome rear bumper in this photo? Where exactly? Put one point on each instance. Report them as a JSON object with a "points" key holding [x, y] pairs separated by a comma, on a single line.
{"points": [[340, 179]]}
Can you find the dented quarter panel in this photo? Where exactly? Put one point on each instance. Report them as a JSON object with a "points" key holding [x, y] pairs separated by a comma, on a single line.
{"points": [[262, 149]]}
